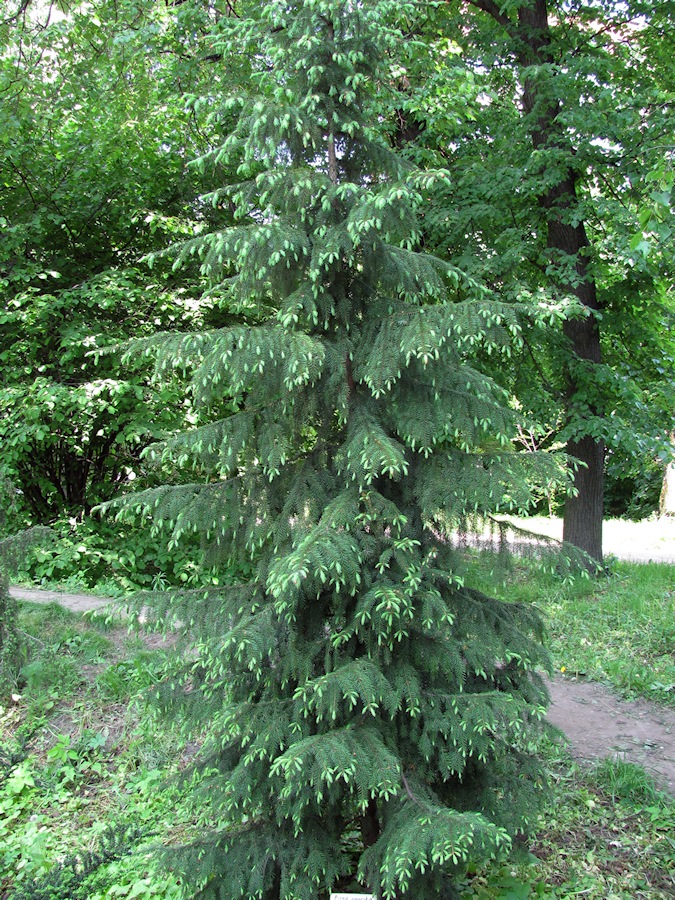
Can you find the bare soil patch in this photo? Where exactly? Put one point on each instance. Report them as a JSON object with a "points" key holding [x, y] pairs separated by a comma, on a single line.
{"points": [[598, 724]]}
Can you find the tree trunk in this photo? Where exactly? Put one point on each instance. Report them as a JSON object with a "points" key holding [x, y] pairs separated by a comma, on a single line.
{"points": [[582, 524], [567, 244]]}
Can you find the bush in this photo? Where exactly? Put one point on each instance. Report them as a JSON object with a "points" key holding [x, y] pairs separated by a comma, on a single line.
{"points": [[115, 557], [71, 878]]}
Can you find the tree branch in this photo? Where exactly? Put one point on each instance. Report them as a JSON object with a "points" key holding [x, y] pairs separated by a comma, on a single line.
{"points": [[409, 791], [491, 8], [23, 6]]}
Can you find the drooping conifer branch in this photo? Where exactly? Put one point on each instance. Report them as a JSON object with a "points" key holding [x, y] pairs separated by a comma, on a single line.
{"points": [[371, 719]]}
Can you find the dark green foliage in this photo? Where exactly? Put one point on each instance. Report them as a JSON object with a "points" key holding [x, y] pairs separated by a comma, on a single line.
{"points": [[15, 751], [71, 427], [633, 486], [85, 554], [370, 718], [559, 95], [71, 878], [90, 184]]}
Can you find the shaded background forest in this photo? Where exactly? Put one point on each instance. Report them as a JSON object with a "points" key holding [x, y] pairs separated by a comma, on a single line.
{"points": [[555, 123]]}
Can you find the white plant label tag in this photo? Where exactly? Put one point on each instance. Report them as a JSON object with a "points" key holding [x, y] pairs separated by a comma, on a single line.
{"points": [[352, 897]]}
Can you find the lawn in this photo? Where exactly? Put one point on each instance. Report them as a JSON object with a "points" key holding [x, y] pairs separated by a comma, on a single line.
{"points": [[85, 770], [618, 628]]}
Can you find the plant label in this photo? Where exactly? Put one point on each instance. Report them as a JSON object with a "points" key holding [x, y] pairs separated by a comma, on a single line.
{"points": [[352, 897]]}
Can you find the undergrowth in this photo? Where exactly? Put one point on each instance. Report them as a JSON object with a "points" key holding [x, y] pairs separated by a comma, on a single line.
{"points": [[83, 793], [112, 559], [80, 762], [607, 834]]}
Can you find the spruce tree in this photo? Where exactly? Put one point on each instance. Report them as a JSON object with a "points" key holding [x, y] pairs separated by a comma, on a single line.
{"points": [[372, 720]]}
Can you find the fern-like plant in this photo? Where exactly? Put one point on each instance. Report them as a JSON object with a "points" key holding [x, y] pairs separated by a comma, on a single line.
{"points": [[372, 720]]}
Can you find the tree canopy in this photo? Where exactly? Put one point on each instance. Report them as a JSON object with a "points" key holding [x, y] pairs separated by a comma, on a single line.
{"points": [[556, 154], [95, 135]]}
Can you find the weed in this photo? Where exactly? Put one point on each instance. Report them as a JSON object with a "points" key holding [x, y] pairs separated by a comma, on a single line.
{"points": [[59, 795], [90, 645], [71, 878], [624, 781], [606, 835], [56, 643], [128, 677], [70, 761], [39, 676], [106, 619]]}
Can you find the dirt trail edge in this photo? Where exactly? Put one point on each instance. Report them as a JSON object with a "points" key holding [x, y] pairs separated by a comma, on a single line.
{"points": [[598, 724], [594, 720], [79, 603]]}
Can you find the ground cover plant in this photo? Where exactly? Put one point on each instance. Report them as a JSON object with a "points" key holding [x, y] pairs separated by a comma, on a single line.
{"points": [[81, 761], [80, 804], [112, 560], [606, 834]]}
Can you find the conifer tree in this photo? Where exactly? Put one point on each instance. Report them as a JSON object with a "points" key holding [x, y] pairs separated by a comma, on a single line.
{"points": [[372, 720]]}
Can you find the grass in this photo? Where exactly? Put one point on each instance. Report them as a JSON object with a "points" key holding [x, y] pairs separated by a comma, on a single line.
{"points": [[109, 588], [78, 762], [618, 628], [606, 835]]}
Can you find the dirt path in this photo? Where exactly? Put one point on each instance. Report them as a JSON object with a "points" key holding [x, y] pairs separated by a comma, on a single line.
{"points": [[76, 602], [598, 724], [595, 721]]}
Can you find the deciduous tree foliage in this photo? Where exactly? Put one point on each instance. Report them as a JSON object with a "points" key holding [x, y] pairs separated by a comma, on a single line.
{"points": [[371, 719], [568, 111], [13, 549], [92, 176]]}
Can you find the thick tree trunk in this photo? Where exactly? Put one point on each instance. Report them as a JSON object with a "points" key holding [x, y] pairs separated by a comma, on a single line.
{"points": [[370, 827], [568, 245], [583, 515], [582, 524]]}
